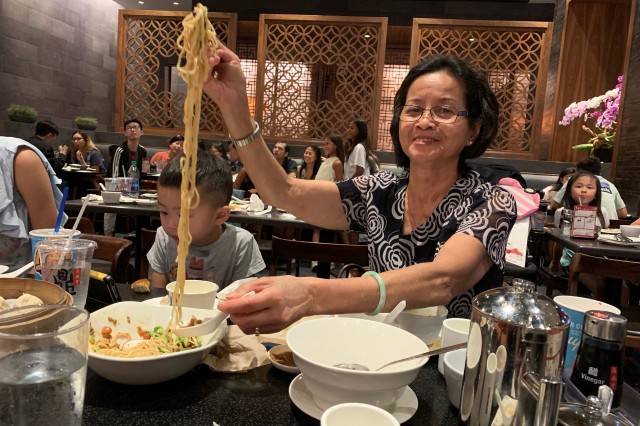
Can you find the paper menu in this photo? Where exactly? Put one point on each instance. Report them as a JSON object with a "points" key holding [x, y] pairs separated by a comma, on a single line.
{"points": [[516, 253], [584, 222]]}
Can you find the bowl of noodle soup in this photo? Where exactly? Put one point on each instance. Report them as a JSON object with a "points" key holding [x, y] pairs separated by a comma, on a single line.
{"points": [[146, 367]]}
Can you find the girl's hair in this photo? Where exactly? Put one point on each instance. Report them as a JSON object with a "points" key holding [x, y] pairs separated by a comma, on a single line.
{"points": [[88, 143], [558, 183], [221, 149], [336, 139], [362, 137], [316, 163], [568, 201]]}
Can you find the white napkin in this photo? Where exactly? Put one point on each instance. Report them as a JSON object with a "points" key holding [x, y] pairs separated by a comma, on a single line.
{"points": [[255, 203]]}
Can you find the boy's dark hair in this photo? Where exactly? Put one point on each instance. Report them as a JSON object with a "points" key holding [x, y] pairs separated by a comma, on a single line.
{"points": [[133, 120], [44, 127], [213, 178], [590, 164]]}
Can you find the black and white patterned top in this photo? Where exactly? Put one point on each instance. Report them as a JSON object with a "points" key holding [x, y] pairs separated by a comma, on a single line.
{"points": [[375, 204]]}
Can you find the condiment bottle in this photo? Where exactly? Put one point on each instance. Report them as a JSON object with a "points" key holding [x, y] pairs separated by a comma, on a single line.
{"points": [[539, 217], [599, 360]]}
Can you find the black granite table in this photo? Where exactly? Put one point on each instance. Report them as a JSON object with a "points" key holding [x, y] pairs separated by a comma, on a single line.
{"points": [[258, 397]]}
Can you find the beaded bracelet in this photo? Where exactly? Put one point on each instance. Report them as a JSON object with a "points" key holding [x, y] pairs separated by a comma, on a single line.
{"points": [[383, 292]]}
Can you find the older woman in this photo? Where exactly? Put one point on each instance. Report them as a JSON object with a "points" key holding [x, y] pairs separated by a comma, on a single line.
{"points": [[85, 152], [437, 234], [175, 149]]}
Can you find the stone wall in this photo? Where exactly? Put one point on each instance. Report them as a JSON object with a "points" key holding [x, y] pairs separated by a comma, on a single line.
{"points": [[59, 57]]}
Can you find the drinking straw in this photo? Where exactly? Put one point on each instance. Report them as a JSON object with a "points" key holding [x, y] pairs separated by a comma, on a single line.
{"points": [[63, 201], [73, 230], [124, 172]]}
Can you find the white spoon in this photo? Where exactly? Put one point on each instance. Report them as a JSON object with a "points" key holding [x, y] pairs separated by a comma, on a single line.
{"points": [[391, 316], [104, 188], [17, 272], [3, 269]]}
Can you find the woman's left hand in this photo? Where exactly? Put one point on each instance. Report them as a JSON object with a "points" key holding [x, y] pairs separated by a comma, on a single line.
{"points": [[278, 302]]}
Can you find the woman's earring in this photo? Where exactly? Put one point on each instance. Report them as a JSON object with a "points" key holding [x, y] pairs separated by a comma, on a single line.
{"points": [[470, 142]]}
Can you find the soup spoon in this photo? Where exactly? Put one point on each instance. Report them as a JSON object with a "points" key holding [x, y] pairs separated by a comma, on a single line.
{"points": [[360, 367], [17, 272], [391, 316]]}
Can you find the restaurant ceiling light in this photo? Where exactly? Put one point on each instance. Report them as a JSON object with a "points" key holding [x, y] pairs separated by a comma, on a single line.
{"points": [[176, 3], [367, 36], [472, 39], [141, 2]]}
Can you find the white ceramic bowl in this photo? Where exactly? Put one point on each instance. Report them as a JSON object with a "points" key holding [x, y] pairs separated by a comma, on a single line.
{"points": [[352, 413], [453, 372], [197, 293], [147, 370], [319, 344], [425, 323], [111, 197], [630, 231]]}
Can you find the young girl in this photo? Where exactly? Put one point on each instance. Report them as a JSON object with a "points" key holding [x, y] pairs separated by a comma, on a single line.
{"points": [[583, 189], [358, 155], [85, 152], [551, 190], [331, 169], [312, 160]]}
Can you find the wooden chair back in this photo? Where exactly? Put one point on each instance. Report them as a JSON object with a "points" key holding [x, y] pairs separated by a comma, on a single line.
{"points": [[282, 249], [148, 238], [115, 250], [602, 267]]}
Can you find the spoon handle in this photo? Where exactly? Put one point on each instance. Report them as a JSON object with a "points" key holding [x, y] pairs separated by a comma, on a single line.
{"points": [[430, 353]]}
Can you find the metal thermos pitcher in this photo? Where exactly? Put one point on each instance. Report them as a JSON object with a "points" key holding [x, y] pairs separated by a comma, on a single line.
{"points": [[514, 330]]}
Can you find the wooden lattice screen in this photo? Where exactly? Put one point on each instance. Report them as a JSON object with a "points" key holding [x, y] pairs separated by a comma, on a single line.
{"points": [[317, 73], [514, 56], [148, 87]]}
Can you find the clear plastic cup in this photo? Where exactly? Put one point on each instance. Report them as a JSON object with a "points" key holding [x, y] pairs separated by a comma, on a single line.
{"points": [[38, 235], [67, 263]]}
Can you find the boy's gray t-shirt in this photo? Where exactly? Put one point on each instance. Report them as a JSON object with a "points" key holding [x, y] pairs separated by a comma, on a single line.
{"points": [[234, 256]]}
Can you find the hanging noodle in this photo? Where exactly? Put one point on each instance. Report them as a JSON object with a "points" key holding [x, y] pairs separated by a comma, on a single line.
{"points": [[192, 46]]}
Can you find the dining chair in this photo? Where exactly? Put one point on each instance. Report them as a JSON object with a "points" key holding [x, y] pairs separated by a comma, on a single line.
{"points": [[115, 250], [85, 226], [283, 249], [601, 267], [148, 238]]}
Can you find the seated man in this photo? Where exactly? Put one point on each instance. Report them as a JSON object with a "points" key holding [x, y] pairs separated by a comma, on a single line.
{"points": [[218, 252]]}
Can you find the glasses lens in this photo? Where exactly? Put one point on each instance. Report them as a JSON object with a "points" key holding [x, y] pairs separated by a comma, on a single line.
{"points": [[410, 113], [444, 114], [77, 139], [133, 128]]}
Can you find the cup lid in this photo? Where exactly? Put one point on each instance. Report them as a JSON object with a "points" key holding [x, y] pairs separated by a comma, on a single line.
{"points": [[521, 305]]}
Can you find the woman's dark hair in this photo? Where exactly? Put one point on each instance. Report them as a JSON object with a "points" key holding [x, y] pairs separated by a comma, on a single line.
{"points": [[222, 150], [568, 201], [176, 138], [316, 163], [336, 139], [480, 102], [565, 172]]}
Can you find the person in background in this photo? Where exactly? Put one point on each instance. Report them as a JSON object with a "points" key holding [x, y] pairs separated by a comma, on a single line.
{"points": [[218, 252], [121, 158], [281, 151], [312, 158], [437, 233], [175, 149], [44, 139], [218, 150], [29, 199], [551, 190], [357, 149], [234, 159], [612, 202], [85, 152], [331, 169]]}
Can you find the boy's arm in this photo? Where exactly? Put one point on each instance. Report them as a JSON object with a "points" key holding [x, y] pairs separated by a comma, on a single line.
{"points": [[158, 280]]}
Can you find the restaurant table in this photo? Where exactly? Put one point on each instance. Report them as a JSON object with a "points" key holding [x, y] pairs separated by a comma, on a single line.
{"points": [[258, 397], [141, 214], [74, 178], [593, 247]]}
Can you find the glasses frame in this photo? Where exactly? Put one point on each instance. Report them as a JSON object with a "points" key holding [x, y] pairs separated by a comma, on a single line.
{"points": [[431, 114], [132, 128]]}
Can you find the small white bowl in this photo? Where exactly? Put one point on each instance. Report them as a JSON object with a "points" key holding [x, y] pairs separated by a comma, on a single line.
{"points": [[145, 202], [111, 197], [318, 345], [197, 293], [630, 231], [424, 323], [279, 351], [151, 369], [352, 413], [453, 372]]}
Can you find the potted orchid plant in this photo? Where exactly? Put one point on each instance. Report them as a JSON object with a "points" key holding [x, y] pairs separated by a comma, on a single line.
{"points": [[603, 111]]}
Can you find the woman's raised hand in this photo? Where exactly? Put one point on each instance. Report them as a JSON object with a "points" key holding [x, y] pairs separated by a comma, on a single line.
{"points": [[225, 82]]}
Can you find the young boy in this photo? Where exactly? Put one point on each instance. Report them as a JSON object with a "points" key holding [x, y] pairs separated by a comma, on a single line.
{"points": [[218, 252]]}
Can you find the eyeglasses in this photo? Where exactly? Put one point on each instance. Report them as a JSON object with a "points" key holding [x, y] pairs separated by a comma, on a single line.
{"points": [[77, 139], [132, 128], [441, 114]]}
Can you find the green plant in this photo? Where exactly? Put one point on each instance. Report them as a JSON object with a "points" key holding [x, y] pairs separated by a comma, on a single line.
{"points": [[22, 110], [91, 121]]}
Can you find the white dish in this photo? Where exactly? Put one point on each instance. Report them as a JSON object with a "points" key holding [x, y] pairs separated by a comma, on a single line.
{"points": [[149, 196], [611, 239], [3, 269], [151, 369], [128, 200], [222, 294], [164, 301], [278, 349], [404, 408], [143, 202]]}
